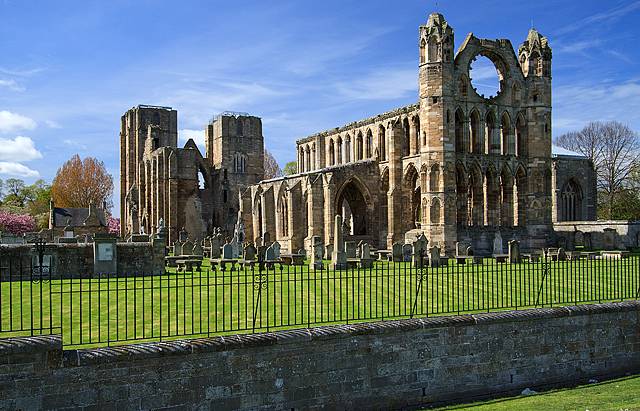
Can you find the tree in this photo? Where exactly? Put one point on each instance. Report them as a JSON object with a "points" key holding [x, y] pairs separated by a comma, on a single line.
{"points": [[79, 183], [271, 167], [28, 199], [16, 223], [615, 150], [290, 168]]}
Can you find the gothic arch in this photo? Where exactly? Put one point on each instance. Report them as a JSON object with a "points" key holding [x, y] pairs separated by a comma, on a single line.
{"points": [[477, 146], [491, 133], [571, 199], [369, 144], [521, 135], [459, 131], [382, 142], [508, 139], [353, 202]]}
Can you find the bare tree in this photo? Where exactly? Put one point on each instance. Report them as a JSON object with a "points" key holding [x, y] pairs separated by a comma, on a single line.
{"points": [[271, 167], [614, 149]]}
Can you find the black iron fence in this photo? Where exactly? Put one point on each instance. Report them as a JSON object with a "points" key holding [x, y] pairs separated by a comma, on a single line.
{"points": [[107, 309]]}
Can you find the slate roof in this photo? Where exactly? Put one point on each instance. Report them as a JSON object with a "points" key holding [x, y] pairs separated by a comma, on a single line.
{"points": [[77, 216]]}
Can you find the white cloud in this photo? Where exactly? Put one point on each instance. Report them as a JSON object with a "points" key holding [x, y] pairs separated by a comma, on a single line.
{"points": [[17, 169], [12, 122], [385, 84], [52, 124], [11, 85], [575, 106], [18, 149]]}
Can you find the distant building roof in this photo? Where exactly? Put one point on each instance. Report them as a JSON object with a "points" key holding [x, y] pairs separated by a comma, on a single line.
{"points": [[559, 151], [75, 217]]}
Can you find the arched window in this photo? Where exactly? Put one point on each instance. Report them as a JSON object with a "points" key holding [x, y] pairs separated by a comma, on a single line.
{"points": [[571, 202], [433, 49], [423, 51], [382, 143], [434, 178], [521, 132], [301, 162], [459, 132], [284, 216], [474, 131], [407, 137], [359, 146], [239, 128], [308, 159], [347, 149], [417, 137], [339, 148], [508, 140], [332, 153], [492, 135], [369, 144], [435, 211]]}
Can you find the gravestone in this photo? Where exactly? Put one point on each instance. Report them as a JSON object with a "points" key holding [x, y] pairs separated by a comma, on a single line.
{"points": [[266, 239], [407, 253], [303, 252], [270, 254], [227, 252], [461, 249], [609, 239], [262, 251], [498, 249], [396, 252], [105, 255], [434, 256], [276, 250], [328, 250], [359, 249], [317, 250], [249, 253], [183, 236], [514, 251], [588, 242], [258, 242], [578, 239], [187, 248], [350, 249], [197, 250], [562, 254], [338, 257], [420, 251], [215, 247], [177, 247], [366, 259], [469, 251]]}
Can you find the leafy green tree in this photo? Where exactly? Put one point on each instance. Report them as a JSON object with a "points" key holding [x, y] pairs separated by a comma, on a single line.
{"points": [[290, 168]]}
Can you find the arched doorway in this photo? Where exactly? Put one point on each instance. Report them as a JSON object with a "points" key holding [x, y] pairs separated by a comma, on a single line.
{"points": [[352, 206]]}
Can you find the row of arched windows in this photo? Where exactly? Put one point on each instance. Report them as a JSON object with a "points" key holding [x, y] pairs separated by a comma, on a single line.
{"points": [[239, 163], [476, 135]]}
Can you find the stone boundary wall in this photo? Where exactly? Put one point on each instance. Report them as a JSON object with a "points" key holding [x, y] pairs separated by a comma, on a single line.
{"points": [[384, 365]]}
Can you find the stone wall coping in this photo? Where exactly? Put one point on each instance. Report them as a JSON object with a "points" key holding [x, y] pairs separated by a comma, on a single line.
{"points": [[142, 351], [598, 222], [28, 345]]}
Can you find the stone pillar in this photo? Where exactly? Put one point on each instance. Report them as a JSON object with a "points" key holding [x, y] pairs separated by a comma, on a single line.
{"points": [[394, 196], [413, 148], [338, 256], [485, 200], [328, 193]]}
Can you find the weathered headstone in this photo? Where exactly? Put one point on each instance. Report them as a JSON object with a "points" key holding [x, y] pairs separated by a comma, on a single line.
{"points": [[609, 239], [183, 236], [434, 256], [177, 248], [562, 254], [350, 249], [461, 249], [302, 251], [227, 252], [419, 251], [328, 250], [187, 248], [215, 246], [407, 253], [197, 250], [366, 260], [249, 253], [469, 251], [266, 239], [276, 249], [317, 250], [338, 256], [497, 244], [514, 251], [258, 242], [588, 242], [396, 252], [359, 248], [270, 254]]}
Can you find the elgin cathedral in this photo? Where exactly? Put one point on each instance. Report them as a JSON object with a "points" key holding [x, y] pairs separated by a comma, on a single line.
{"points": [[456, 166]]}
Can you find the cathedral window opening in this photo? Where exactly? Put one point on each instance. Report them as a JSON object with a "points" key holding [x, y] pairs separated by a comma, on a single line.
{"points": [[485, 77], [332, 153], [347, 149], [435, 211], [492, 135], [459, 132], [433, 49], [201, 180], [339, 148], [224, 196], [353, 208], [474, 129], [434, 178], [417, 131], [359, 147], [407, 137], [571, 202], [382, 143], [239, 128], [284, 217], [423, 51], [369, 143], [520, 136]]}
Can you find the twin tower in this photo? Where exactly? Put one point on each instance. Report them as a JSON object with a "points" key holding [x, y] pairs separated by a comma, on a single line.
{"points": [[159, 180]]}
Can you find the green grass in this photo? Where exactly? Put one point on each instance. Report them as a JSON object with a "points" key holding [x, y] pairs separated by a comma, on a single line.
{"points": [[619, 394], [91, 312]]}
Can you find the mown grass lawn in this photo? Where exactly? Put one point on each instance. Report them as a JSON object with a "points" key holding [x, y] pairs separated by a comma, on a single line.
{"points": [[97, 311], [619, 394]]}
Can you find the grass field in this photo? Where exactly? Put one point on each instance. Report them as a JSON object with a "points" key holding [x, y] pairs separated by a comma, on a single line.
{"points": [[98, 311], [619, 394]]}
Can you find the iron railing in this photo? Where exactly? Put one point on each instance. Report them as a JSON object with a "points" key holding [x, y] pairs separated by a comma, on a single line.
{"points": [[106, 309]]}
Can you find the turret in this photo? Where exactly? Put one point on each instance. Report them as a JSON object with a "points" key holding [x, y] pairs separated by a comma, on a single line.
{"points": [[534, 55]]}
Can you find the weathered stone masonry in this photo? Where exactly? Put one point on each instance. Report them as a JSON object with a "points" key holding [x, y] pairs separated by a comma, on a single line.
{"points": [[366, 366], [456, 165]]}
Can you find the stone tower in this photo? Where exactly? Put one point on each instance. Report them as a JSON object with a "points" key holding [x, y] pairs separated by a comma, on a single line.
{"points": [[437, 96], [138, 123], [235, 146]]}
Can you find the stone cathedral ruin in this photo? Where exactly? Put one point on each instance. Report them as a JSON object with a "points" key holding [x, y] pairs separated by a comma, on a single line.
{"points": [[456, 165]]}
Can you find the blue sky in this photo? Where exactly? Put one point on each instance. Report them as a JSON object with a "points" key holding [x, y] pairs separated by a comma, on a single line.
{"points": [[70, 69]]}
